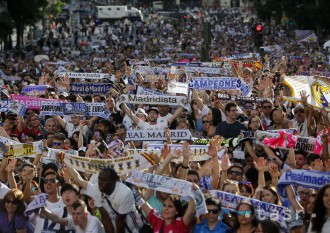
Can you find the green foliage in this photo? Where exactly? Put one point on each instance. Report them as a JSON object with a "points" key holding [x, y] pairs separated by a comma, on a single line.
{"points": [[56, 8], [26, 12]]}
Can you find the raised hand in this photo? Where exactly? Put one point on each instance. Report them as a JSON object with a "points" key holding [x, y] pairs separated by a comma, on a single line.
{"points": [[260, 165], [304, 97], [165, 151], [273, 170], [225, 162], [186, 152]]}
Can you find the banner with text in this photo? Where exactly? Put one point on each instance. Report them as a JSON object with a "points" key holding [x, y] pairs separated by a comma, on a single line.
{"points": [[169, 185], [157, 135], [133, 160]]}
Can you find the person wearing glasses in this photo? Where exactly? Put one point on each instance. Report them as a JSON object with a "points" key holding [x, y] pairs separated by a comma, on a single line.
{"points": [[246, 220], [58, 141], [231, 127], [212, 223], [11, 212], [54, 203], [266, 108], [300, 122]]}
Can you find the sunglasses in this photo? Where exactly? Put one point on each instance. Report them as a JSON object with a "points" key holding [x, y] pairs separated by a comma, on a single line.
{"points": [[34, 189], [245, 213], [236, 173], [11, 202], [52, 181], [299, 111], [212, 211], [248, 107], [267, 107], [57, 143], [206, 122]]}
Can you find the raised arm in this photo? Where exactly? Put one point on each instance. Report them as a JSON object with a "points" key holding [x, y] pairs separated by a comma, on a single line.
{"points": [[44, 213], [213, 152], [186, 153], [76, 177], [250, 150], [130, 114], [60, 120], [291, 160], [10, 174], [81, 134], [292, 198], [260, 165], [175, 115], [188, 215], [198, 100], [224, 169]]}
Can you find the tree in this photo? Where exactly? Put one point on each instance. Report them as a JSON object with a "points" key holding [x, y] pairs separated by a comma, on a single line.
{"points": [[7, 26], [25, 13], [305, 13], [56, 8]]}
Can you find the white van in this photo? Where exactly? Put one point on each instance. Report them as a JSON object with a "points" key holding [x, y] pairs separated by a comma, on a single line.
{"points": [[118, 12]]}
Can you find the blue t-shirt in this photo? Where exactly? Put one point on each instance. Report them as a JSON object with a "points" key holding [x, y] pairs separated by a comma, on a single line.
{"points": [[17, 223], [203, 227]]}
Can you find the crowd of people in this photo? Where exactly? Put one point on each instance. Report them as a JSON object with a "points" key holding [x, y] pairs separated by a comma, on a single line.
{"points": [[244, 181]]}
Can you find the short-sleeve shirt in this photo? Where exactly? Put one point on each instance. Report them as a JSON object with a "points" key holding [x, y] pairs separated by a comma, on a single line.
{"points": [[122, 201], [229, 130], [94, 225], [16, 223], [204, 228], [157, 223]]}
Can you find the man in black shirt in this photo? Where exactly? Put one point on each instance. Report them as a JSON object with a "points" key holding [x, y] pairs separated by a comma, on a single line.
{"points": [[230, 128]]}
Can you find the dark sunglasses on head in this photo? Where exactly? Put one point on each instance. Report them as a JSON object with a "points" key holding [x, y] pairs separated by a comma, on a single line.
{"points": [[236, 173], [52, 181], [212, 211]]}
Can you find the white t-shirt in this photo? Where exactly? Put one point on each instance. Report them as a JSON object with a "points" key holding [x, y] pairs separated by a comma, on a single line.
{"points": [[70, 128], [164, 119], [94, 225], [43, 225], [122, 200], [303, 131]]}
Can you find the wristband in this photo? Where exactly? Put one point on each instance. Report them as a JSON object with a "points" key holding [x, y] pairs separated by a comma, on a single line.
{"points": [[184, 167]]}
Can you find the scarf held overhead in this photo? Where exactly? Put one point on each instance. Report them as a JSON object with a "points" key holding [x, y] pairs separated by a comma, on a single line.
{"points": [[169, 185]]}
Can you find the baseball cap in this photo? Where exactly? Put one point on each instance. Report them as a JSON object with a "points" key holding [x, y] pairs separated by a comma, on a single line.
{"points": [[140, 111]]}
